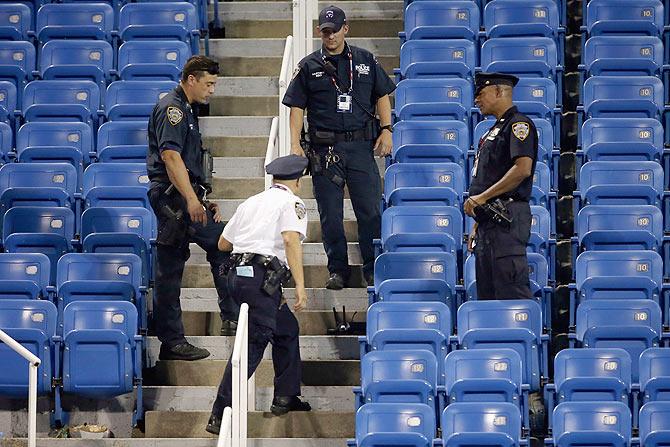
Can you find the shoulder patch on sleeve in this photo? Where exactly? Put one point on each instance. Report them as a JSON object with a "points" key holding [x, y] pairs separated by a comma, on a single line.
{"points": [[520, 130], [296, 72], [300, 210], [174, 115]]}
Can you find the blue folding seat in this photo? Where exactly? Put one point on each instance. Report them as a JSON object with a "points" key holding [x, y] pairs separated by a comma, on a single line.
{"points": [[515, 324], [134, 100], [24, 276], [437, 58], [541, 240], [32, 323], [62, 100], [514, 18], [622, 97], [77, 59], [6, 143], [17, 62], [655, 424], [398, 377], [103, 353], [160, 21], [441, 20], [75, 21], [591, 423], [8, 100], [431, 142], [120, 230], [633, 325], [536, 97], [655, 375], [541, 193], [47, 230], [622, 56], [438, 99], [522, 56], [624, 17], [123, 142], [426, 184], [55, 142], [394, 424], [152, 60], [15, 21], [116, 185], [494, 424]]}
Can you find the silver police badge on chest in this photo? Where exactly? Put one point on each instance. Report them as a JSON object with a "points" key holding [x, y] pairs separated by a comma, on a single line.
{"points": [[493, 133]]}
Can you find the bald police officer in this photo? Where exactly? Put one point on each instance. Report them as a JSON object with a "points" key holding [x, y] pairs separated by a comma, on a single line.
{"points": [[341, 87], [265, 236], [503, 169], [176, 193]]}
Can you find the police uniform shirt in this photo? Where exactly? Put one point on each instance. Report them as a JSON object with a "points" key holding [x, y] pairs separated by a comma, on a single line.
{"points": [[173, 125], [258, 223], [313, 89], [512, 136]]}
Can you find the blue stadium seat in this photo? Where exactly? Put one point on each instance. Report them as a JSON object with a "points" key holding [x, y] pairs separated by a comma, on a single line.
{"points": [[8, 100], [77, 59], [398, 377], [655, 375], [624, 17], [431, 142], [55, 142], [103, 353], [523, 56], [152, 60], [24, 276], [622, 97], [120, 230], [116, 184], [633, 325], [541, 240], [75, 21], [426, 184], [6, 143], [15, 21], [134, 100], [494, 424], [32, 323], [437, 59], [514, 18], [434, 99], [408, 326], [61, 100], [47, 230], [655, 424], [515, 324], [123, 142], [622, 56], [160, 21], [441, 20], [541, 193], [17, 62], [591, 423], [536, 97], [394, 424]]}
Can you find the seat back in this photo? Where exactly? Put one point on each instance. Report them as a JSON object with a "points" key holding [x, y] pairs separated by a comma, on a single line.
{"points": [[416, 266], [538, 269], [433, 316], [15, 21], [61, 134], [375, 419], [540, 229], [541, 185], [39, 175], [154, 60], [442, 20], [592, 423], [475, 421], [432, 132], [524, 56], [511, 18], [623, 96], [89, 59], [627, 131], [115, 174], [8, 98], [403, 175], [33, 267], [624, 17], [135, 220], [17, 62], [655, 424], [120, 133], [28, 314], [100, 315], [400, 220], [617, 182], [620, 227], [63, 93], [655, 374], [623, 55], [134, 100], [29, 219], [437, 58], [427, 98], [75, 20], [146, 20], [122, 267], [584, 374], [6, 141], [507, 314], [536, 90]]}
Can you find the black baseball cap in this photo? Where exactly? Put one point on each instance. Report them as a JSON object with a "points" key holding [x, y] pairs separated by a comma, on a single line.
{"points": [[485, 79], [332, 17]]}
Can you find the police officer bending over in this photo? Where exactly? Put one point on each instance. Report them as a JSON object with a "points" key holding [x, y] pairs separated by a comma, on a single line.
{"points": [[499, 192], [180, 172], [340, 86], [265, 234]]}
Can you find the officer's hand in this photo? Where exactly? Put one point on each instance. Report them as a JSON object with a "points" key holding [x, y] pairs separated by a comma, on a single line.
{"points": [[473, 202], [197, 212], [384, 143], [216, 211], [297, 150], [471, 238], [300, 299]]}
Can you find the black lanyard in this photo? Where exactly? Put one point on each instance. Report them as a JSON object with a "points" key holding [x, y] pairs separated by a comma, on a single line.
{"points": [[351, 72]]}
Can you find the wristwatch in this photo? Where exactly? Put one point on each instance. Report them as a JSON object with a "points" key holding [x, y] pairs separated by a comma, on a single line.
{"points": [[388, 127]]}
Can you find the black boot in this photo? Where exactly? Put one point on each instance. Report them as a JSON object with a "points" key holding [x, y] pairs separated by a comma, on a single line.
{"points": [[282, 405], [335, 282], [182, 351]]}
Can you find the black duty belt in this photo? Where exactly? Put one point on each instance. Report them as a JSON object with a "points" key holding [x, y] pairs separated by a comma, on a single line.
{"points": [[350, 135], [199, 190]]}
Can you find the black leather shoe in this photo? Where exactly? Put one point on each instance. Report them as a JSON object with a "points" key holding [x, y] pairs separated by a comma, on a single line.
{"points": [[228, 327], [282, 405], [335, 282], [214, 425], [369, 279], [182, 351]]}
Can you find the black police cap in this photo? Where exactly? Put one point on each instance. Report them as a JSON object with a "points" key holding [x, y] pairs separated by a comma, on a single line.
{"points": [[332, 17], [485, 79], [289, 167]]}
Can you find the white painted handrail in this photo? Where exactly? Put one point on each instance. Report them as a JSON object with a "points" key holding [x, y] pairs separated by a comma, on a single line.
{"points": [[33, 364], [272, 148], [225, 435], [287, 64], [240, 363]]}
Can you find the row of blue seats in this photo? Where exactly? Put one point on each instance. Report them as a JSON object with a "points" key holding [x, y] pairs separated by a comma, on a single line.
{"points": [[99, 353]]}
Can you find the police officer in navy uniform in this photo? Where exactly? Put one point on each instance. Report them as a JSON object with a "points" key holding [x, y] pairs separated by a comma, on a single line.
{"points": [[341, 87], [177, 195], [265, 236], [503, 169]]}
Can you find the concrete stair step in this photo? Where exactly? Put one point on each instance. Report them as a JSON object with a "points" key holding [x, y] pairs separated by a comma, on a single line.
{"points": [[359, 27], [235, 126], [244, 105], [251, 146], [270, 65], [274, 47], [316, 424], [228, 207], [265, 10], [315, 373], [312, 347], [201, 398], [176, 442], [230, 168], [205, 299]]}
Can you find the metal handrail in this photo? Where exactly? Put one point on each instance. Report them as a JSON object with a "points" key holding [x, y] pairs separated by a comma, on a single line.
{"points": [[225, 437], [271, 149], [284, 112], [240, 363], [33, 364]]}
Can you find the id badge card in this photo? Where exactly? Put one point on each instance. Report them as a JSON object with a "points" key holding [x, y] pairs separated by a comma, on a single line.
{"points": [[344, 103]]}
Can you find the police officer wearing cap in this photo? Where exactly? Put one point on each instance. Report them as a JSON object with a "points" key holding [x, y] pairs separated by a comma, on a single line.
{"points": [[179, 170], [265, 236], [503, 169], [342, 87]]}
